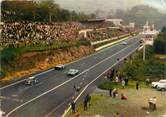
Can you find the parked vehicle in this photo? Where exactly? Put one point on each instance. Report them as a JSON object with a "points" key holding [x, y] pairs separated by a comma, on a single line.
{"points": [[72, 72], [59, 67], [31, 81], [161, 87], [155, 84]]}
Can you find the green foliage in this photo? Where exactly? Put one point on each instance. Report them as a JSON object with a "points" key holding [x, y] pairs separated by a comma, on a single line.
{"points": [[160, 42], [160, 46], [163, 30], [44, 10], [2, 74], [106, 85], [9, 54], [140, 70]]}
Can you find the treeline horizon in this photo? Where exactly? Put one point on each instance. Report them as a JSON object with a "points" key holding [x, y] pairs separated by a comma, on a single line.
{"points": [[41, 11]]}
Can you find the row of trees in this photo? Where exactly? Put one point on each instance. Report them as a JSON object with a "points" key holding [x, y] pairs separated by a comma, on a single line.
{"points": [[43, 10], [160, 42]]}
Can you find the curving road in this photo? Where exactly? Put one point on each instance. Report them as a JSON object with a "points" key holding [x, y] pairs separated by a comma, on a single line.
{"points": [[51, 96]]}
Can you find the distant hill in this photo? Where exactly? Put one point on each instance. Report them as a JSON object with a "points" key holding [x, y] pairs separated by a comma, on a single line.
{"points": [[140, 14]]}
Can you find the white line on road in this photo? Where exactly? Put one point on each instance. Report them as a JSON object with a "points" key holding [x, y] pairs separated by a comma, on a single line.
{"points": [[57, 107], [67, 110], [25, 79], [66, 81], [10, 98]]}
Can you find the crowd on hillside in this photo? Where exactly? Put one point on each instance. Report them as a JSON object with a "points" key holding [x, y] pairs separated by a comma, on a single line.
{"points": [[99, 34], [106, 33], [33, 33], [26, 33]]}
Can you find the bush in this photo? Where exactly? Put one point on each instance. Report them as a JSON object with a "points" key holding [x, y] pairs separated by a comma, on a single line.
{"points": [[9, 54], [140, 70], [106, 85], [160, 46], [2, 74]]}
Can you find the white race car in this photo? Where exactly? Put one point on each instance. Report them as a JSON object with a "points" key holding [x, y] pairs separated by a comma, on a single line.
{"points": [[124, 43], [59, 67], [72, 72]]}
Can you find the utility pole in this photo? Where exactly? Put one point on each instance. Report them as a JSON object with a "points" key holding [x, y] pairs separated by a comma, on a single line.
{"points": [[144, 52]]}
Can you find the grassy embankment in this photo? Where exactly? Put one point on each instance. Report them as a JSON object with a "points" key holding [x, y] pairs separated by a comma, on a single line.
{"points": [[135, 106], [21, 61]]}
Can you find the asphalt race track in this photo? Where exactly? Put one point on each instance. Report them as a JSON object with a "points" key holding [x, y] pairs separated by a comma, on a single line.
{"points": [[55, 89]]}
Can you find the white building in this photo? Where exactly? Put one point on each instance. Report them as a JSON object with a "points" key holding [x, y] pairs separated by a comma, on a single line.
{"points": [[116, 22], [132, 25], [149, 33]]}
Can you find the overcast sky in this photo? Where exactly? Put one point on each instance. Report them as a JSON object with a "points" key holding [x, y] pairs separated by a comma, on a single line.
{"points": [[107, 5]]}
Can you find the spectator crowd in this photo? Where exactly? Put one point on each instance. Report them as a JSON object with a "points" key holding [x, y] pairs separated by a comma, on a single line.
{"points": [[32, 33], [27, 33]]}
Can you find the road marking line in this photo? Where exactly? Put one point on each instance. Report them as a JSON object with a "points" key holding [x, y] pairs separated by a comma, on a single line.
{"points": [[25, 79], [9, 98], [47, 115], [67, 110], [112, 43], [67, 80], [66, 64]]}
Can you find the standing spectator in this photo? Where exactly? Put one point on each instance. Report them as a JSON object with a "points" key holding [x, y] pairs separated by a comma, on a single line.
{"points": [[116, 79], [73, 106], [123, 84], [126, 81], [110, 92], [137, 85], [74, 87], [87, 100], [120, 78], [152, 103], [147, 81], [86, 103], [112, 74]]}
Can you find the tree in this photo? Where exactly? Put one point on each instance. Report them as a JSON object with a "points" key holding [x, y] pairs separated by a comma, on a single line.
{"points": [[163, 30], [160, 42], [49, 7], [43, 10]]}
